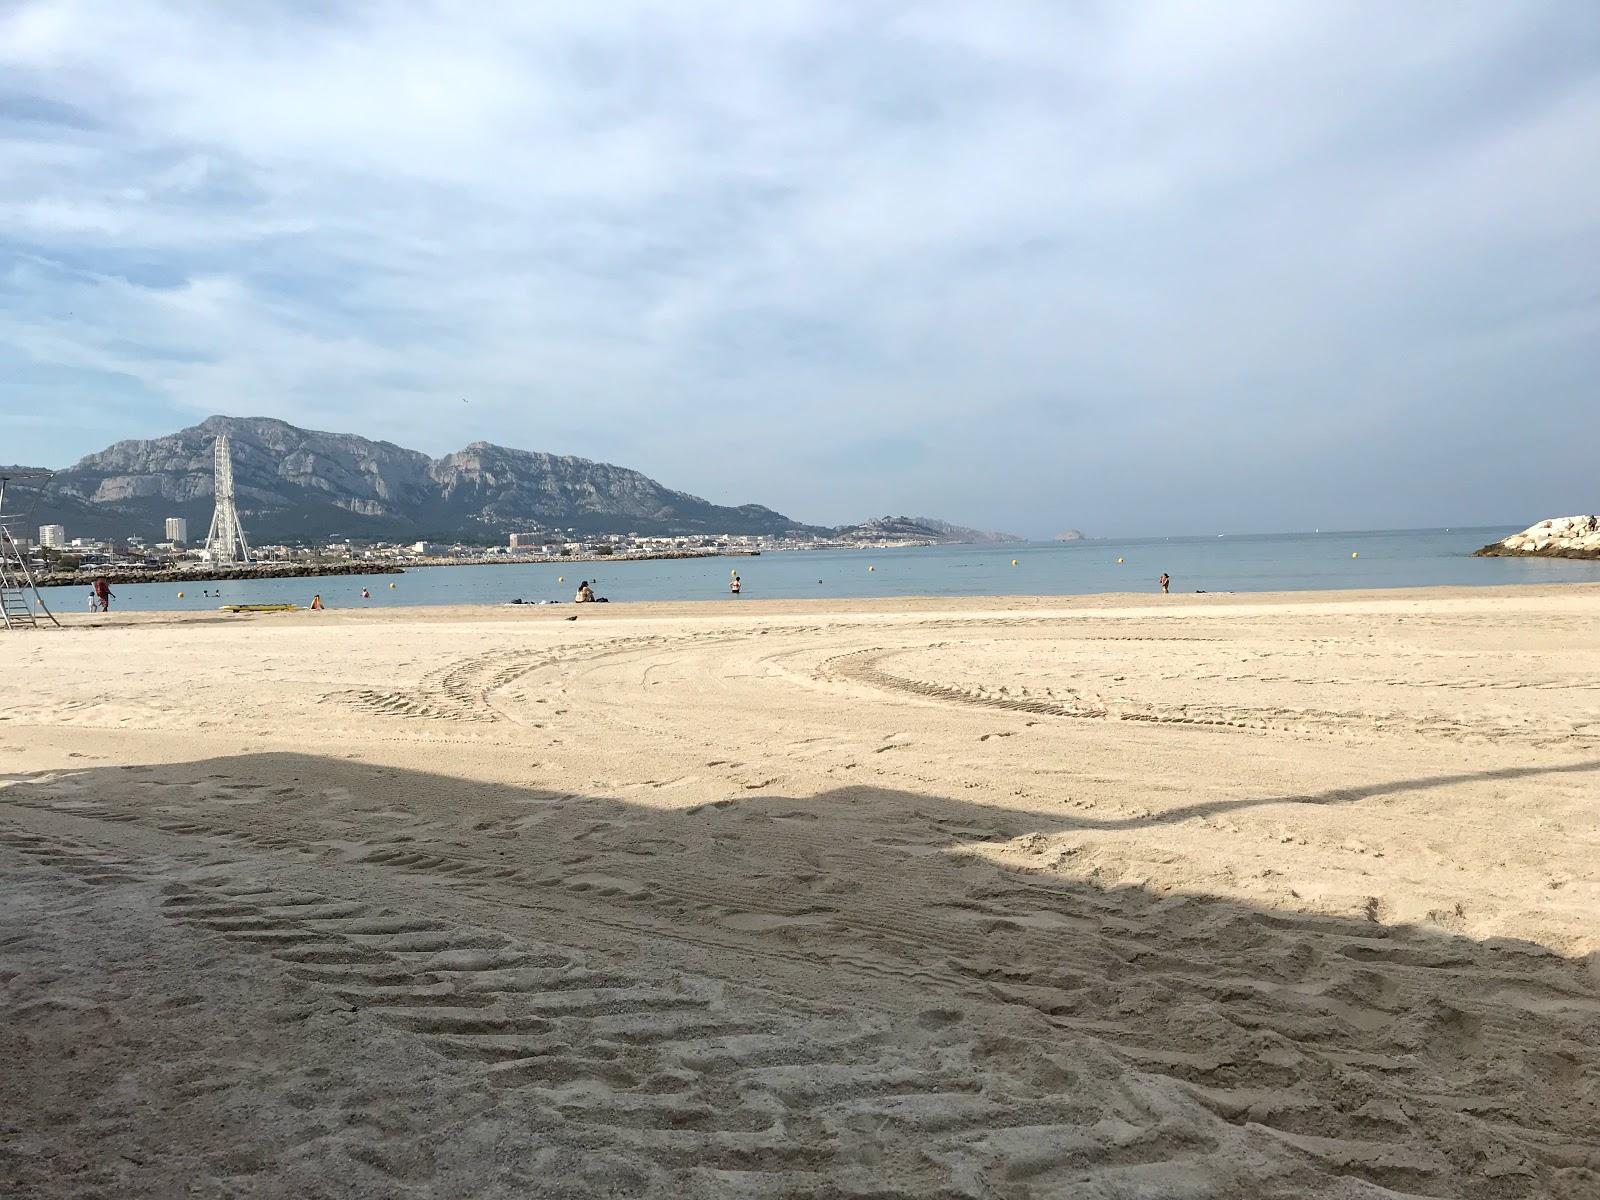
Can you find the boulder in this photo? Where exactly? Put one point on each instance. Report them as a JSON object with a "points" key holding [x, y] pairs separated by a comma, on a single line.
{"points": [[1557, 537]]}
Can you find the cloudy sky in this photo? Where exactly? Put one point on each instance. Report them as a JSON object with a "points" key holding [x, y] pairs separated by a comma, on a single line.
{"points": [[1137, 268]]}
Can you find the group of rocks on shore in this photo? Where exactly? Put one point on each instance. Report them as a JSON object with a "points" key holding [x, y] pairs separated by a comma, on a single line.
{"points": [[203, 574], [1559, 537]]}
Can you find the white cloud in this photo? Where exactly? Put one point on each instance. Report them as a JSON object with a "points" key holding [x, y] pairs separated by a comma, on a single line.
{"points": [[731, 245]]}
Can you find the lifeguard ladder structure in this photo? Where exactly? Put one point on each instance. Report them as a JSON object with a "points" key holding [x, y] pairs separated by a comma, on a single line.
{"points": [[21, 605]]}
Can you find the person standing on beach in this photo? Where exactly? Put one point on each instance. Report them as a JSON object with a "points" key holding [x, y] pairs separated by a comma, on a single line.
{"points": [[103, 592], [734, 586], [1165, 583]]}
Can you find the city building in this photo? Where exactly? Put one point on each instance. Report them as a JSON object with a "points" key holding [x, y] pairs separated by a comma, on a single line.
{"points": [[53, 537], [177, 530]]}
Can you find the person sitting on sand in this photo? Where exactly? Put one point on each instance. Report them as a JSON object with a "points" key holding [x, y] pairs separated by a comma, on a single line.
{"points": [[316, 603], [1166, 583], [585, 593]]}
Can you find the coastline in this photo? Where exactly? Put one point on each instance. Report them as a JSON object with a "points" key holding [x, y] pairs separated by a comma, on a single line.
{"points": [[1141, 604], [201, 574], [1245, 565]]}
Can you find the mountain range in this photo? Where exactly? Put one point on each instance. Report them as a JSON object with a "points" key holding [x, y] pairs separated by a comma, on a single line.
{"points": [[294, 484]]}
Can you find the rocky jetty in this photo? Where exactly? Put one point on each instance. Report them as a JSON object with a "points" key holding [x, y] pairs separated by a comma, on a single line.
{"points": [[204, 574], [1559, 537]]}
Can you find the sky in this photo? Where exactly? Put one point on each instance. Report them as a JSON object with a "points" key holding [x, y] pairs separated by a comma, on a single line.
{"points": [[1134, 268]]}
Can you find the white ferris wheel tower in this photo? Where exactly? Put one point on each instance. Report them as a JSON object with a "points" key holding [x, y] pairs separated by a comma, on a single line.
{"points": [[226, 541]]}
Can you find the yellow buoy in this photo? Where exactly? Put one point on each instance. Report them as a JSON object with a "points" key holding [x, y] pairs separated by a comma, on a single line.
{"points": [[872, 568], [1355, 554], [180, 595], [1119, 560], [1013, 562], [735, 573], [561, 578], [391, 585]]}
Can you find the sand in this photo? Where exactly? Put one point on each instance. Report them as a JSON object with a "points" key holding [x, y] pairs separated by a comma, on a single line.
{"points": [[1111, 897]]}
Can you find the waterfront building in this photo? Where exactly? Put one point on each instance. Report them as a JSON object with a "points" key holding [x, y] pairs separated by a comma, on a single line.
{"points": [[53, 537], [177, 531]]}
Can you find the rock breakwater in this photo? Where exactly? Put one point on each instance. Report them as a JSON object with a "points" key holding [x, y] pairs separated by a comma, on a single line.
{"points": [[212, 574], [1559, 537]]}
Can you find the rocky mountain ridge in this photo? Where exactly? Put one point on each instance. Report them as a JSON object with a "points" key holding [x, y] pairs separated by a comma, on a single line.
{"points": [[296, 484], [301, 484]]}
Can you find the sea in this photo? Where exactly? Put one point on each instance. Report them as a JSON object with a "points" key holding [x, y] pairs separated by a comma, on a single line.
{"points": [[1231, 563]]}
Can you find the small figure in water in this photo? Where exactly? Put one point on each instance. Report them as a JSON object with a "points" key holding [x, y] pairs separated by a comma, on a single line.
{"points": [[1166, 583], [733, 586], [366, 595], [316, 603]]}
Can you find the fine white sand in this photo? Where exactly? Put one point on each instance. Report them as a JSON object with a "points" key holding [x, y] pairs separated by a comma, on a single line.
{"points": [[1111, 897]]}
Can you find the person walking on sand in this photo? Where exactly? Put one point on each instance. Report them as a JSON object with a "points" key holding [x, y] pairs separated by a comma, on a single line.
{"points": [[734, 585], [316, 603], [103, 592], [1166, 583]]}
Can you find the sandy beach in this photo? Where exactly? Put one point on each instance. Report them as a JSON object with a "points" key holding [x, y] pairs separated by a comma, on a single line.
{"points": [[1199, 896]]}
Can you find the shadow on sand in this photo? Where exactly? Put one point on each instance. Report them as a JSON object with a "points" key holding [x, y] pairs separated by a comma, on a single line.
{"points": [[1410, 1057]]}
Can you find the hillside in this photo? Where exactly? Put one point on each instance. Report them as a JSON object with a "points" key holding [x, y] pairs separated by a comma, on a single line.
{"points": [[917, 529], [297, 483]]}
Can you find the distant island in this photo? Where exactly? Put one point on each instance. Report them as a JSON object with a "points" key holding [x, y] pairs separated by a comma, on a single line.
{"points": [[917, 531], [1070, 535]]}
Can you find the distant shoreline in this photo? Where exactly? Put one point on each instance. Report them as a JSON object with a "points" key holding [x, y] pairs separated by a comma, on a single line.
{"points": [[1176, 607], [201, 574]]}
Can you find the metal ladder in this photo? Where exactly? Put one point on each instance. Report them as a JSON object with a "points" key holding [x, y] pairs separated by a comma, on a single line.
{"points": [[16, 579], [15, 609]]}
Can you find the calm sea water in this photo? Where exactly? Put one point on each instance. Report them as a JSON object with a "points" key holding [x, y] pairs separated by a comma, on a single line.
{"points": [[1255, 563]]}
